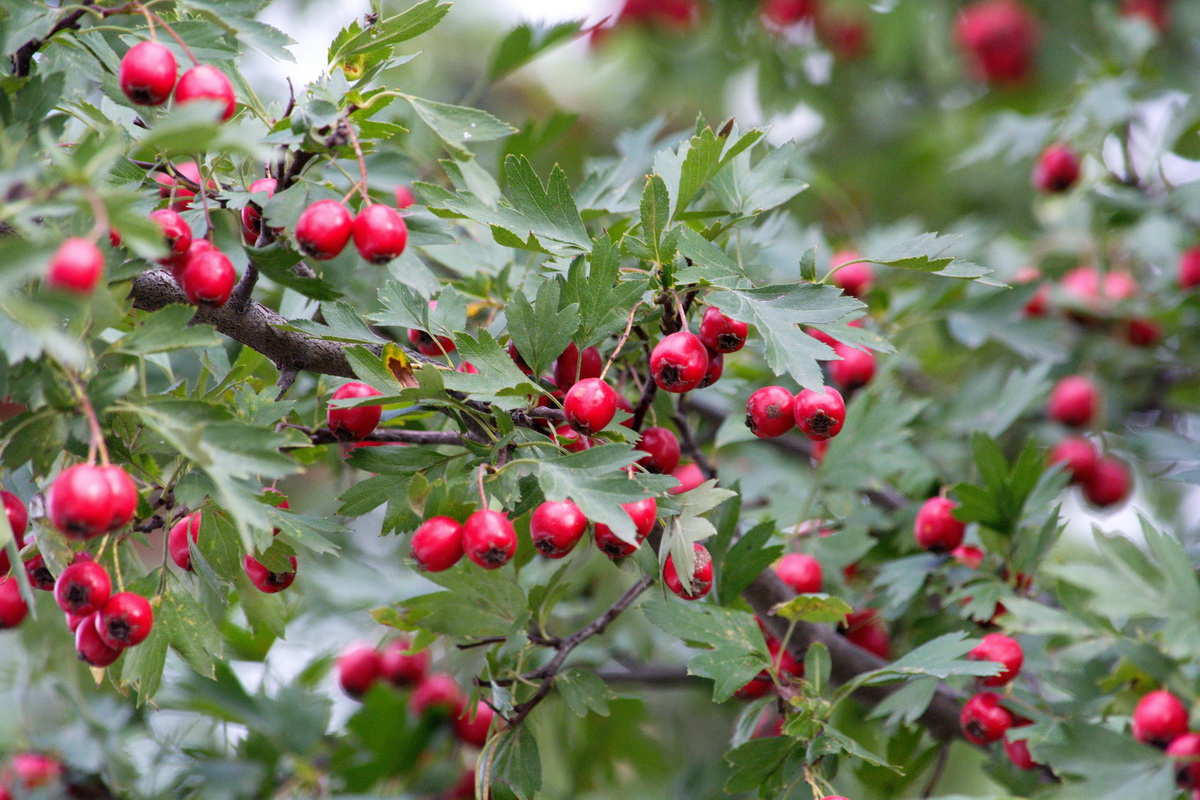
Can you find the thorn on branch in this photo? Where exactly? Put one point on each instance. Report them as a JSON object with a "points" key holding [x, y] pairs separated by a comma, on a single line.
{"points": [[287, 376]]}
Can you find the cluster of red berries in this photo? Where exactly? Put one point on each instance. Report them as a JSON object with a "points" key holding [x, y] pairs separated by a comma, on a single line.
{"points": [[1161, 720], [31, 775], [187, 531], [845, 34], [683, 361], [326, 227], [147, 77], [984, 718], [772, 411], [360, 667], [1104, 480]]}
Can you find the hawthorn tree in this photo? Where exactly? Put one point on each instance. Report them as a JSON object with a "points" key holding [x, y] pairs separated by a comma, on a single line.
{"points": [[367, 443]]}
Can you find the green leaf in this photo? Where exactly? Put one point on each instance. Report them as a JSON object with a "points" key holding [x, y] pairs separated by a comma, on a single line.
{"points": [[749, 556], [518, 763], [939, 658], [1105, 763], [746, 190], [927, 253], [498, 374], [541, 332], [656, 215], [142, 666], [458, 126], [526, 42], [166, 330], [906, 704], [190, 630], [604, 299], [477, 604], [342, 324], [388, 33], [813, 608], [817, 667], [276, 262], [583, 691], [756, 765]]}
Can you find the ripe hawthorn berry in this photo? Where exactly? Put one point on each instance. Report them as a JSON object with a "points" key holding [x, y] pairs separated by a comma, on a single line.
{"points": [[968, 555], [855, 369], [208, 278], [999, 41], [1074, 401], [168, 186], [88, 500], [404, 197], [1185, 749], [590, 405], [1017, 750], [32, 771], [489, 539], [1155, 12], [324, 229], [178, 265], [1188, 273], [176, 232], [1142, 332], [467, 368], [18, 520], [1158, 718], [12, 605], [357, 422], [689, 476], [769, 412], [437, 693], [91, 648], [264, 579], [756, 687], [206, 82], [147, 73], [935, 527], [177, 540], [437, 544], [39, 574], [516, 357], [1003, 649], [401, 669], [380, 234], [82, 588], [662, 447], [1078, 457], [252, 212], [644, 514], [1057, 169], [358, 668], [819, 415], [801, 572], [571, 440], [572, 366], [76, 266], [857, 277], [701, 580], [471, 728], [864, 629], [679, 362], [720, 333], [785, 664], [1109, 484], [716, 368], [983, 719], [787, 12], [125, 620], [427, 345], [556, 528]]}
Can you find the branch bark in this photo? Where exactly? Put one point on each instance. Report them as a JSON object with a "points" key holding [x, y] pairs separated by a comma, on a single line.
{"points": [[22, 59]]}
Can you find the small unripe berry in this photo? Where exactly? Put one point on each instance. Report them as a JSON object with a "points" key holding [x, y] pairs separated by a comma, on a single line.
{"points": [[801, 572], [474, 731], [437, 544], [1079, 457], [208, 278], [556, 528], [644, 514], [1109, 483], [1057, 169], [91, 648], [1003, 649], [324, 229], [720, 333], [438, 693], [489, 539], [176, 232], [83, 588], [679, 362], [935, 527], [1158, 718], [76, 267], [181, 532], [590, 405], [572, 366], [12, 605], [206, 82], [357, 422], [358, 669], [379, 234], [125, 620], [401, 669], [701, 580], [147, 73], [984, 720], [769, 412], [819, 415], [663, 448], [855, 369]]}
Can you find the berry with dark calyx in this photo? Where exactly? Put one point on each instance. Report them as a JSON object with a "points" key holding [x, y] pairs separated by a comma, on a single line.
{"points": [[679, 362], [125, 620], [1188, 273], [91, 648], [770, 412], [1185, 749], [801, 572], [358, 668], [206, 82], [999, 40], [181, 532], [701, 580], [1074, 401], [1142, 332], [399, 668], [82, 588], [76, 267], [252, 213], [147, 73], [1057, 169], [324, 229], [12, 605], [176, 232], [590, 405], [1003, 649], [689, 476], [473, 729], [1109, 484], [935, 527], [571, 440], [437, 693], [380, 234], [354, 423], [437, 544], [864, 629], [86, 500], [208, 278], [720, 333], [644, 514], [1077, 455], [856, 278], [855, 369], [1158, 718], [663, 450], [39, 574], [819, 415], [716, 368], [1017, 750], [574, 365], [264, 579], [556, 528], [984, 720], [489, 539], [404, 197]]}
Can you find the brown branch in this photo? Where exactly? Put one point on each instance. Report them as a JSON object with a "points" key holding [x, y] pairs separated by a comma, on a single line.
{"points": [[687, 439], [386, 435], [22, 59]]}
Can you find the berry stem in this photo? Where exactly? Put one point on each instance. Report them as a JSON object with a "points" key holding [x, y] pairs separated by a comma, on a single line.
{"points": [[97, 434], [150, 15], [620, 342], [362, 162], [99, 211], [483, 500]]}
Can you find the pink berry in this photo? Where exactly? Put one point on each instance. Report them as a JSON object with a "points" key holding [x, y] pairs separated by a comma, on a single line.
{"points": [[1074, 401], [206, 82], [1078, 455], [437, 544], [1109, 484], [76, 267], [147, 74]]}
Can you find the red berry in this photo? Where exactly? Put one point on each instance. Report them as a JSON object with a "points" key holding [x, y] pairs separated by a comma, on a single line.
{"points": [[1006, 650], [1085, 286], [35, 770], [663, 449], [590, 405], [968, 555], [1109, 483], [855, 279], [819, 415], [12, 605], [438, 693], [689, 476], [147, 74], [91, 648], [516, 357], [76, 267], [86, 500], [404, 197], [1057, 169], [1078, 455], [864, 629], [1189, 268], [252, 212], [489, 539], [769, 412], [427, 345], [358, 669], [125, 620], [264, 579], [208, 278], [624, 405], [18, 515], [983, 719], [644, 514], [787, 12], [1017, 750], [401, 669], [720, 333], [1155, 12], [556, 528], [176, 232], [1074, 401], [123, 497], [178, 265], [379, 234], [474, 731], [801, 572], [1185, 749], [999, 39], [935, 527], [467, 368], [1143, 332], [756, 687], [39, 574], [1158, 718], [206, 82], [82, 588], [571, 440], [574, 366], [177, 540], [846, 35], [437, 544], [679, 362], [701, 580], [355, 423], [716, 368], [855, 369], [324, 229]]}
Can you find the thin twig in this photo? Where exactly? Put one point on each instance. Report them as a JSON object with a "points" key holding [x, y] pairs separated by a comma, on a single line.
{"points": [[939, 767], [687, 439]]}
